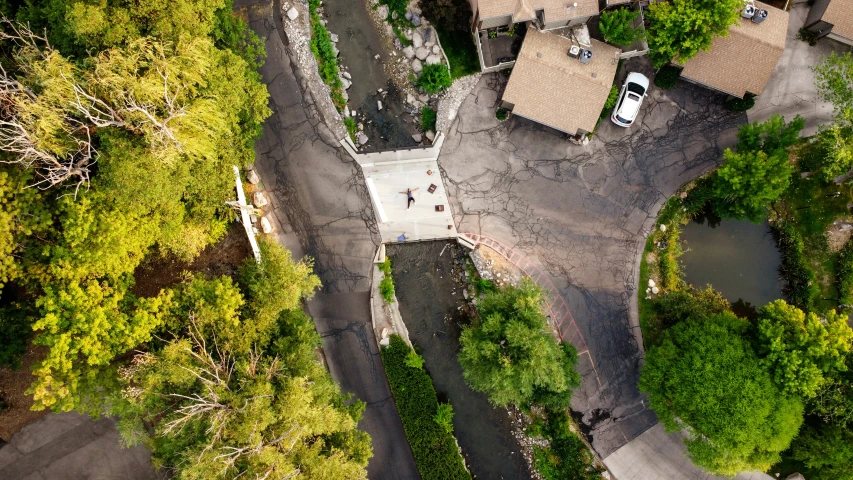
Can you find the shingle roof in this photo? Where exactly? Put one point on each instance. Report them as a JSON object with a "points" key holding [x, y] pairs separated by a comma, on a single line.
{"points": [[743, 61], [840, 14], [549, 87], [522, 10]]}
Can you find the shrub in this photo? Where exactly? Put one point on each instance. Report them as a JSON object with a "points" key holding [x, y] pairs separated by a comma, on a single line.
{"points": [[434, 448], [15, 332], [667, 77], [352, 127], [444, 417], [616, 26], [449, 15], [386, 285], [740, 104], [567, 456], [799, 288], [844, 275], [324, 50], [414, 360], [612, 97], [428, 117], [434, 78], [501, 114]]}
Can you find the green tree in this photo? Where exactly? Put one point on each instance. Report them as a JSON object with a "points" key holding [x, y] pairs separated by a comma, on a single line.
{"points": [[800, 349], [705, 377], [833, 77], [22, 214], [749, 182], [617, 26], [826, 450], [680, 29], [510, 354]]}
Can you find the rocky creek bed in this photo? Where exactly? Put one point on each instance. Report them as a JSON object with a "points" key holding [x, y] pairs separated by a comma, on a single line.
{"points": [[431, 286]]}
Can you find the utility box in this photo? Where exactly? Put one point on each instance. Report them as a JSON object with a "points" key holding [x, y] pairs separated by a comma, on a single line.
{"points": [[760, 16], [748, 11], [585, 56]]}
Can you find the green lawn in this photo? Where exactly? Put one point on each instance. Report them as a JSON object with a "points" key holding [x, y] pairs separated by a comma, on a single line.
{"points": [[461, 52]]}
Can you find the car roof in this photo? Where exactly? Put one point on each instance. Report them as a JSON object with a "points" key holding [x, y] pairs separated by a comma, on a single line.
{"points": [[629, 106]]}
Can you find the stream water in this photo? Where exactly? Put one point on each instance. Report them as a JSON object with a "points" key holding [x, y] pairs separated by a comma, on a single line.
{"points": [[429, 295], [738, 258]]}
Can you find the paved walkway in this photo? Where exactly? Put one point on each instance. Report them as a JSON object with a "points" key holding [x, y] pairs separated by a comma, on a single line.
{"points": [[69, 446], [579, 216], [323, 210]]}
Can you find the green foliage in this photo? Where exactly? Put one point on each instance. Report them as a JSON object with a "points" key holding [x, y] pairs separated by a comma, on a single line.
{"points": [[510, 355], [501, 114], [484, 285], [617, 26], [704, 375], [444, 417], [434, 78], [667, 76], [458, 46], [844, 275], [800, 349], [324, 51], [800, 288], [680, 29], [386, 285], [351, 126], [827, 450], [567, 456], [677, 306], [740, 104], [612, 97], [16, 323], [433, 446], [448, 15], [22, 213], [836, 141], [414, 360], [833, 77], [232, 33], [834, 401], [428, 117]]}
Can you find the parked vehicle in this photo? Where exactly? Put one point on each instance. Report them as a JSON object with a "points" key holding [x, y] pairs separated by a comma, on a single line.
{"points": [[630, 99]]}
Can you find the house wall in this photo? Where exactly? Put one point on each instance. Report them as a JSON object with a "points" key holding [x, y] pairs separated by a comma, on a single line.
{"points": [[495, 22], [816, 14], [839, 38], [566, 23]]}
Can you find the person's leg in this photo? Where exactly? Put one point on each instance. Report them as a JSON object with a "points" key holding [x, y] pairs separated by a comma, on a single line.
{"points": [[411, 201]]}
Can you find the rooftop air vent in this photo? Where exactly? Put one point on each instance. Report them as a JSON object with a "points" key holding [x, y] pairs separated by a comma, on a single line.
{"points": [[574, 51], [760, 16], [748, 11], [586, 55]]}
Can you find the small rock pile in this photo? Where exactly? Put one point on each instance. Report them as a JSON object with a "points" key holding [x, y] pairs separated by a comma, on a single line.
{"points": [[259, 200]]}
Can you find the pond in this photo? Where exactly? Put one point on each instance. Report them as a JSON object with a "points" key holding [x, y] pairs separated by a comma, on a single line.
{"points": [[738, 258], [426, 277]]}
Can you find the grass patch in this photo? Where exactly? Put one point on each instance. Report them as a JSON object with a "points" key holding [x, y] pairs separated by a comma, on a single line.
{"points": [[352, 127], [324, 51], [424, 420], [461, 52], [428, 117], [386, 286], [567, 456]]}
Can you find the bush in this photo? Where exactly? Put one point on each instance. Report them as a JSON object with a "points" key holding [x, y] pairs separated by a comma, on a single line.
{"points": [[612, 97], [616, 26], [501, 114], [324, 50], [844, 275], [799, 288], [448, 15], [428, 117], [434, 78], [444, 417], [741, 104], [434, 448], [386, 285], [568, 456], [15, 332], [352, 127], [667, 77], [414, 360]]}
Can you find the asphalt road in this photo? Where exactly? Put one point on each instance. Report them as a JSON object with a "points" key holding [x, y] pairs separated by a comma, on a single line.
{"points": [[582, 214], [323, 211]]}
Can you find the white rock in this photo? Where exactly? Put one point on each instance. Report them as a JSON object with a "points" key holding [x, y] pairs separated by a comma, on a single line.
{"points": [[292, 13], [416, 20], [417, 66], [361, 138], [410, 98], [382, 11], [655, 290], [435, 49], [663, 228], [385, 342], [417, 40], [376, 56], [423, 98], [431, 136], [346, 110], [334, 37], [422, 53], [259, 199], [409, 52], [408, 15], [252, 177], [379, 105], [346, 83], [353, 113], [651, 283], [266, 226], [384, 333], [347, 75], [417, 137], [433, 60]]}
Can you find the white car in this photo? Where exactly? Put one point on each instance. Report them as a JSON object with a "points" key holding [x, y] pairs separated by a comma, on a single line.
{"points": [[628, 105]]}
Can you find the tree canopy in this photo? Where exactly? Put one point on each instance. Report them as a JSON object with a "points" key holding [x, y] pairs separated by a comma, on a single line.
{"points": [[680, 29], [510, 354], [705, 377]]}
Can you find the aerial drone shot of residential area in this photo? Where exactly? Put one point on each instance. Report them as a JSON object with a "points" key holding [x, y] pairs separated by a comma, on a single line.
{"points": [[426, 239]]}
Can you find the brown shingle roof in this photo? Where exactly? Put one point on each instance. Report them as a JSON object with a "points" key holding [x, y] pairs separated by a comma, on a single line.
{"points": [[743, 61], [522, 10], [549, 87], [840, 14]]}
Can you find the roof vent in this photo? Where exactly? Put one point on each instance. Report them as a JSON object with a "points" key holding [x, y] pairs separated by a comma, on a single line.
{"points": [[586, 56], [760, 16], [575, 51], [748, 11]]}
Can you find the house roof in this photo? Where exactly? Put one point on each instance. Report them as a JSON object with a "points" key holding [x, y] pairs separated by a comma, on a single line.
{"points": [[743, 61], [522, 10], [840, 14], [549, 87]]}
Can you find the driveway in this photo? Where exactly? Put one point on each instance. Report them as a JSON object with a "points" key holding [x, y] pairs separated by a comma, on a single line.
{"points": [[582, 214], [791, 89], [323, 211]]}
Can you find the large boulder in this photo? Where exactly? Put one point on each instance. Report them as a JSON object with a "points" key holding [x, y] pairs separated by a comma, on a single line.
{"points": [[253, 177], [417, 40], [433, 59], [266, 226], [409, 52], [260, 200], [417, 67], [382, 11], [422, 53], [334, 37], [435, 49]]}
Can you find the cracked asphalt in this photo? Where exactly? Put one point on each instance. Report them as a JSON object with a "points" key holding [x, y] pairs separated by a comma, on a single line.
{"points": [[321, 209], [583, 214]]}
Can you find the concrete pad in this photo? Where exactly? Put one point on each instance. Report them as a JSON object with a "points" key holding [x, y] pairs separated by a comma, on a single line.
{"points": [[387, 184], [791, 89]]}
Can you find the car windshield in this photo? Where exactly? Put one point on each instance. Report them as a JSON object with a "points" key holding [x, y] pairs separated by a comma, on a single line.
{"points": [[622, 119], [636, 88]]}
